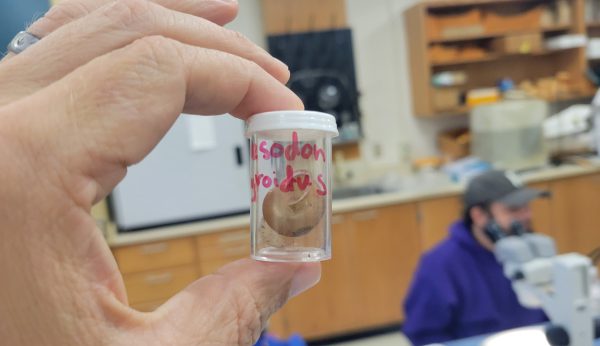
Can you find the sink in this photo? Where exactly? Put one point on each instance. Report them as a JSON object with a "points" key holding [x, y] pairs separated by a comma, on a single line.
{"points": [[349, 192]]}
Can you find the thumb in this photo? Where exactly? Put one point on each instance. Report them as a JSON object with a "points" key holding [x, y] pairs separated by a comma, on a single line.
{"points": [[233, 305]]}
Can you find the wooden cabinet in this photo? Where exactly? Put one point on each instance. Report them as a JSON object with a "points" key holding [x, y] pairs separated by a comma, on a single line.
{"points": [[435, 216], [374, 255], [329, 307], [290, 16], [218, 249], [375, 252], [575, 213], [386, 247], [157, 255], [154, 272], [541, 211], [463, 36], [158, 284]]}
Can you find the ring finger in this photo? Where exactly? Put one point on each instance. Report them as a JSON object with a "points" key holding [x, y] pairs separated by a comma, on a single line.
{"points": [[113, 26], [218, 11]]}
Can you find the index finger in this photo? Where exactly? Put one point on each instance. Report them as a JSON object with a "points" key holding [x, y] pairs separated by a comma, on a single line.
{"points": [[111, 112]]}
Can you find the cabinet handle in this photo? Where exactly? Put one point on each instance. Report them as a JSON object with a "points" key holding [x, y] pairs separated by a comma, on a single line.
{"points": [[234, 237], [365, 215], [235, 251], [152, 249], [158, 279]]}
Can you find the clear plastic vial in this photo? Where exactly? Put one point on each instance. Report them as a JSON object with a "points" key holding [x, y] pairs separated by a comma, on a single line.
{"points": [[290, 180]]}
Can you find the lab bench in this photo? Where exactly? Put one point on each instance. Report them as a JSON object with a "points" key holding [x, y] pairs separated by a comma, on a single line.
{"points": [[377, 242]]}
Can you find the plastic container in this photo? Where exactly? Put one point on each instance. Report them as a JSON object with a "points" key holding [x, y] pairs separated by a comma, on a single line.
{"points": [[568, 41], [509, 134], [291, 185]]}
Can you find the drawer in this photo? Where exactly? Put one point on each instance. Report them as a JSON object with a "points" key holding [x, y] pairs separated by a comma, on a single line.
{"points": [[158, 284], [224, 245], [158, 255]]}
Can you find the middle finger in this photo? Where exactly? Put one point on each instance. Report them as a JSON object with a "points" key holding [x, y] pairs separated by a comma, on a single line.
{"points": [[114, 26]]}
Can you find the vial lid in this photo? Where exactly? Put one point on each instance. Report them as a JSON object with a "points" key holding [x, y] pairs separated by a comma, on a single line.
{"points": [[292, 120]]}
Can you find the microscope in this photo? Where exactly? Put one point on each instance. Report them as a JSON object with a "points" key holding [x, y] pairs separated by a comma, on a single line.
{"points": [[559, 284]]}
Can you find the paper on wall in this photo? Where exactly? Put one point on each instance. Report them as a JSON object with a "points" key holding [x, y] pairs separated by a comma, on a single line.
{"points": [[202, 133]]}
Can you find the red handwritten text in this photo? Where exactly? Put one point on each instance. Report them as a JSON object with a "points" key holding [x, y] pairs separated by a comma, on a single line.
{"points": [[292, 181], [290, 151]]}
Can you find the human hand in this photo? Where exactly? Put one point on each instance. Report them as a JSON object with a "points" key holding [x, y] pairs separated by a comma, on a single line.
{"points": [[92, 97]]}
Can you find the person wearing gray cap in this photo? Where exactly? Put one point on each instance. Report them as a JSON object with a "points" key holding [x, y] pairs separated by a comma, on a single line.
{"points": [[459, 289]]}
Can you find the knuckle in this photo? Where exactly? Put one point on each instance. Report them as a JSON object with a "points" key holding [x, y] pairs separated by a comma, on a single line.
{"points": [[158, 49], [59, 15], [130, 13]]}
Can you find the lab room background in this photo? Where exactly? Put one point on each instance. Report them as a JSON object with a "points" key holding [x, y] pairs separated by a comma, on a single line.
{"points": [[426, 95]]}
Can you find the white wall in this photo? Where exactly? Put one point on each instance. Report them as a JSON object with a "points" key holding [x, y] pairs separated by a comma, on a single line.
{"points": [[382, 74], [249, 21]]}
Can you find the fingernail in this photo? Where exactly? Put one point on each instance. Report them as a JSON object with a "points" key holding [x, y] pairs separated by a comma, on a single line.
{"points": [[281, 64], [306, 277]]}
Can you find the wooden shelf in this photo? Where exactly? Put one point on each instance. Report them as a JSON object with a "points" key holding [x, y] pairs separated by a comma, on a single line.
{"points": [[489, 57], [491, 65], [492, 57], [461, 110], [464, 109], [440, 4], [498, 34]]}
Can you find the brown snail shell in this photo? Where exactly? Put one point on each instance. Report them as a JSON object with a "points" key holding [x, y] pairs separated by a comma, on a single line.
{"points": [[293, 213]]}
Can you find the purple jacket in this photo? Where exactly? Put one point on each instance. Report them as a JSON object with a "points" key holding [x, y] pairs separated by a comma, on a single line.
{"points": [[459, 290]]}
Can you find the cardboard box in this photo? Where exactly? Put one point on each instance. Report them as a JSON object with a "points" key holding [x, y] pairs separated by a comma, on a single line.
{"points": [[455, 144], [518, 44], [499, 18], [445, 99], [441, 53], [449, 25], [482, 96]]}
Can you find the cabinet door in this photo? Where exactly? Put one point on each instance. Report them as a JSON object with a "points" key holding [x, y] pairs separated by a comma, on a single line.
{"points": [[541, 211], [375, 253], [387, 250], [576, 213], [156, 255], [332, 305], [215, 250], [158, 285], [435, 216]]}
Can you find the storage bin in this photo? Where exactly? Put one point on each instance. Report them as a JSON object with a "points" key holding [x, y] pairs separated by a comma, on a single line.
{"points": [[455, 144], [506, 19], [446, 98], [440, 53], [521, 44], [456, 24]]}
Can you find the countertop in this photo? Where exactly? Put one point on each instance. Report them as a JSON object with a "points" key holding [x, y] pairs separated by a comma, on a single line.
{"points": [[419, 190]]}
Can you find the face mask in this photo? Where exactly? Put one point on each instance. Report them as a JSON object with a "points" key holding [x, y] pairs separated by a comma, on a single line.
{"points": [[495, 232]]}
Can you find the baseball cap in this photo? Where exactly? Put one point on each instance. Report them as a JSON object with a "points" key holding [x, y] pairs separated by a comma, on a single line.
{"points": [[500, 186]]}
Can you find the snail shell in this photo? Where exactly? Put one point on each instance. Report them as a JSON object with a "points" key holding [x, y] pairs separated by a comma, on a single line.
{"points": [[294, 213]]}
